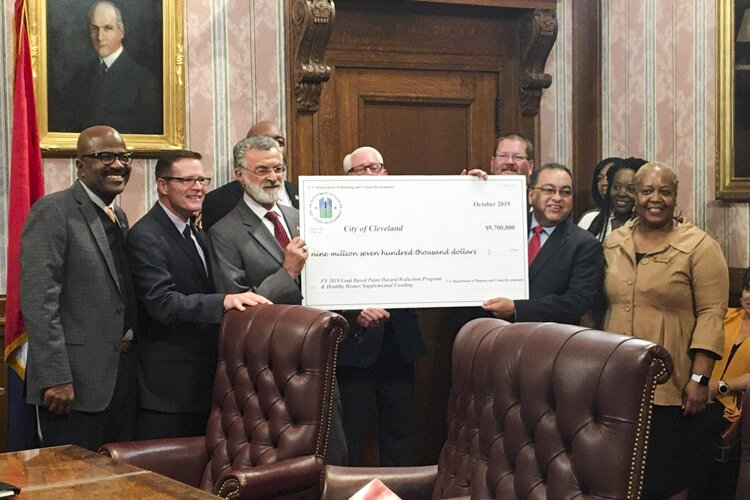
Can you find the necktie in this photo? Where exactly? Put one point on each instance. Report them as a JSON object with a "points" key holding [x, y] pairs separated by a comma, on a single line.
{"points": [[192, 244], [278, 230], [535, 243], [111, 215]]}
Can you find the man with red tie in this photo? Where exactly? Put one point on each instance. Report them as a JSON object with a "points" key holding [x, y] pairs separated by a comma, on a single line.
{"points": [[257, 247], [565, 262]]}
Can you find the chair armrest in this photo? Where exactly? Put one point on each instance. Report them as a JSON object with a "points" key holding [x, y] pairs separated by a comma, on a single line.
{"points": [[182, 459], [406, 482], [288, 477]]}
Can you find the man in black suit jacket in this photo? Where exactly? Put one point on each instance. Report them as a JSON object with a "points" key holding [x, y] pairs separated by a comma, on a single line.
{"points": [[221, 201], [376, 361], [179, 313], [566, 268], [111, 89]]}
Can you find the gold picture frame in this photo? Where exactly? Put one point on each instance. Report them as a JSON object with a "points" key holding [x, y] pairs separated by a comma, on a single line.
{"points": [[61, 60], [733, 110]]}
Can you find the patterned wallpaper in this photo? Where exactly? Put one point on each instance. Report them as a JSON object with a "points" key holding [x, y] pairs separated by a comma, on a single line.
{"points": [[658, 96], [658, 102]]}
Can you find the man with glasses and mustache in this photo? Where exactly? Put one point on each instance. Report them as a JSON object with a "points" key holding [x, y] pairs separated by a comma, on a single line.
{"points": [[257, 247], [565, 261], [179, 312], [514, 155], [78, 302]]}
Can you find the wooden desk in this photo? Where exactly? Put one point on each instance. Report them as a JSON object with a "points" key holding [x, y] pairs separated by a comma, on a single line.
{"points": [[64, 472]]}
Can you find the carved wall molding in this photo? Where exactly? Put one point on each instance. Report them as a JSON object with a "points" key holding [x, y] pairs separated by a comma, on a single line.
{"points": [[312, 24], [537, 35]]}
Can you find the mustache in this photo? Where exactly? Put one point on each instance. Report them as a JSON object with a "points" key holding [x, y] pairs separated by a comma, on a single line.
{"points": [[268, 184]]}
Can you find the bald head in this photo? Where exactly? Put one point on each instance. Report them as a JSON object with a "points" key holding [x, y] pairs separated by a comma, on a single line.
{"points": [[103, 162], [269, 129], [93, 138]]}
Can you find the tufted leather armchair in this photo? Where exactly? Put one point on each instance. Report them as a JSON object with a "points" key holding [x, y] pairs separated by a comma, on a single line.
{"points": [[271, 411], [536, 410]]}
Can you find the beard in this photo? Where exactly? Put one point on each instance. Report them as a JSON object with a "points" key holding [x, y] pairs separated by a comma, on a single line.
{"points": [[258, 193]]}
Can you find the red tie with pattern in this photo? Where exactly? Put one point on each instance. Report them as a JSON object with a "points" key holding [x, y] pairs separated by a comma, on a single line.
{"points": [[278, 230], [535, 243]]}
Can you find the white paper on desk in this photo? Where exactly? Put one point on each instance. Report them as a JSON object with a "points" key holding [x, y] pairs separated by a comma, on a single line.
{"points": [[413, 241]]}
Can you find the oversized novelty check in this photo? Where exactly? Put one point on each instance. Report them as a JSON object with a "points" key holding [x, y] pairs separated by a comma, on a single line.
{"points": [[413, 241]]}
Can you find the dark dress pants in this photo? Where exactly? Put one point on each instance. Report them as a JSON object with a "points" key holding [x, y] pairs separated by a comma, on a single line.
{"points": [[90, 430], [390, 381]]}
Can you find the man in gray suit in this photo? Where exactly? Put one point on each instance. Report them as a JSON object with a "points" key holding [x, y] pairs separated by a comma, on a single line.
{"points": [[78, 302], [257, 246]]}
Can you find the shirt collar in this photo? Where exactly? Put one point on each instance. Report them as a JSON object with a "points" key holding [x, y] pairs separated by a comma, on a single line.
{"points": [[178, 223], [535, 223], [97, 201], [259, 209], [110, 59]]}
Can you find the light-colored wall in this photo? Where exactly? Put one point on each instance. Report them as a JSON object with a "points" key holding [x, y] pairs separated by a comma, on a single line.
{"points": [[658, 103], [659, 98]]}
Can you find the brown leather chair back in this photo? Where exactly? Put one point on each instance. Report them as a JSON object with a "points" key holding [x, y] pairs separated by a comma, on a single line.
{"points": [[272, 363], [542, 410]]}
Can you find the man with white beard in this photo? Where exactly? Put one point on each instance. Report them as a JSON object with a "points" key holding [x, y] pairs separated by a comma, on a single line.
{"points": [[256, 246]]}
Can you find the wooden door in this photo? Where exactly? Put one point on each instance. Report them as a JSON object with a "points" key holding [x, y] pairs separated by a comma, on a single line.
{"points": [[429, 85], [423, 122]]}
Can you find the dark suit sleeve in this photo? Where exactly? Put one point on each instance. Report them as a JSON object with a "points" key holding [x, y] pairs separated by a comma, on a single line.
{"points": [[43, 246], [156, 288], [568, 307]]}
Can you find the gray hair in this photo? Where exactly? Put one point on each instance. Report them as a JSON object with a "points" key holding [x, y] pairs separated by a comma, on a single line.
{"points": [[118, 14], [658, 165], [348, 158], [252, 143]]}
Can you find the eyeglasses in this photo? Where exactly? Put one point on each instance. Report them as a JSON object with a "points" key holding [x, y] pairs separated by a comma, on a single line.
{"points": [[374, 168], [264, 171], [189, 181], [513, 157], [108, 158], [550, 191]]}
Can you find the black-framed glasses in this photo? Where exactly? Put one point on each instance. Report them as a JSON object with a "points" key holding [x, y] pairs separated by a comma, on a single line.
{"points": [[564, 192], [189, 181], [108, 158], [264, 171], [374, 168], [513, 157]]}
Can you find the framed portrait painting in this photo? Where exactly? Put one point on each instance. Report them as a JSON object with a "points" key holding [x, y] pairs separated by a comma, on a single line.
{"points": [[733, 122], [118, 63]]}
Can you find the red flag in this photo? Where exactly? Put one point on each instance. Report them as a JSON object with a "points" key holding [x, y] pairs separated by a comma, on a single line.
{"points": [[26, 186]]}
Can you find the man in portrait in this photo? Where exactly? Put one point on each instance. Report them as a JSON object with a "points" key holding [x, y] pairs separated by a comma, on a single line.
{"points": [[111, 88]]}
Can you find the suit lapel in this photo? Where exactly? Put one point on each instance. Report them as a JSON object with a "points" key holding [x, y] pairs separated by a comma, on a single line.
{"points": [[291, 217], [260, 232], [187, 247], [88, 209], [550, 248]]}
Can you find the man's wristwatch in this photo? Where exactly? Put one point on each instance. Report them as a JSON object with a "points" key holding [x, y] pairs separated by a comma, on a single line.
{"points": [[723, 388], [701, 379]]}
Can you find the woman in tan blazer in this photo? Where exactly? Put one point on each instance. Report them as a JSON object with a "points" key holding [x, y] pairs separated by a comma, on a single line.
{"points": [[667, 281]]}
